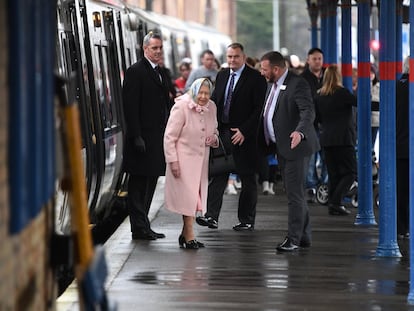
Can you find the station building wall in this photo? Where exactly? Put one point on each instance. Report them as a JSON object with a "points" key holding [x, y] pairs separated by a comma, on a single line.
{"points": [[25, 273]]}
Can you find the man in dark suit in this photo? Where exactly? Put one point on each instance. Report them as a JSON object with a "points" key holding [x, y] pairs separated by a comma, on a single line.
{"points": [[313, 74], [146, 108], [239, 95], [286, 128]]}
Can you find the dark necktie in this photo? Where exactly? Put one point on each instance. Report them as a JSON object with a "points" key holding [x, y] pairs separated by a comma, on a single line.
{"points": [[158, 72], [266, 114], [226, 109]]}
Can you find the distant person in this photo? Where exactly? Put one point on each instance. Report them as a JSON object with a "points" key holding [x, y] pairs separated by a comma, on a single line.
{"points": [[185, 69], [146, 103], [334, 112], [287, 129], [375, 90], [206, 70], [267, 174], [354, 81], [191, 131], [239, 95], [296, 65], [403, 157], [231, 185], [313, 73], [250, 61], [217, 64]]}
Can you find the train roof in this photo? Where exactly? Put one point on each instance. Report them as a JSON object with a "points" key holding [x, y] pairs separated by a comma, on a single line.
{"points": [[173, 23], [114, 3]]}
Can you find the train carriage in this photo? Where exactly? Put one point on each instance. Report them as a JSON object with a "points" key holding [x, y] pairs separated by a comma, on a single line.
{"points": [[96, 42]]}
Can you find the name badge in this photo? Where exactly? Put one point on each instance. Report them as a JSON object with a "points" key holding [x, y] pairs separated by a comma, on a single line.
{"points": [[283, 87]]}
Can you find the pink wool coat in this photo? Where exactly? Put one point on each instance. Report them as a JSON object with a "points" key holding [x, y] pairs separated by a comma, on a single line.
{"points": [[184, 141]]}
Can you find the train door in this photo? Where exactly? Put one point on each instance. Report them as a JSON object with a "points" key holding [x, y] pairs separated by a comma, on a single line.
{"points": [[70, 61], [128, 26], [105, 51]]}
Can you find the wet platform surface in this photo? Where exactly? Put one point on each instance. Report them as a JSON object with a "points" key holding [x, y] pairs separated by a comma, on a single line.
{"points": [[243, 271]]}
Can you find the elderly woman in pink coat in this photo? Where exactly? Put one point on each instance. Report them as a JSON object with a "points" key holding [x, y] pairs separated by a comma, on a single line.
{"points": [[191, 131]]}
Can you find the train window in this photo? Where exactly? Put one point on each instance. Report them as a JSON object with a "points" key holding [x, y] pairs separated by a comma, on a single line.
{"points": [[103, 88], [128, 57], [61, 58]]}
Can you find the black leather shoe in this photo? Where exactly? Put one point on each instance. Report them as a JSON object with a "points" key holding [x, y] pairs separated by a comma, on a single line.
{"points": [[338, 210], [181, 240], [158, 235], [143, 235], [212, 223], [287, 246], [207, 222], [182, 243], [190, 244], [243, 227], [200, 245], [202, 221]]}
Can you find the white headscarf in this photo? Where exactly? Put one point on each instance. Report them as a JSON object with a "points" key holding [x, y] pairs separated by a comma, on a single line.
{"points": [[196, 85]]}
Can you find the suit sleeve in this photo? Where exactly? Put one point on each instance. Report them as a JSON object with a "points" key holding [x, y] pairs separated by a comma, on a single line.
{"points": [[131, 93], [305, 105]]}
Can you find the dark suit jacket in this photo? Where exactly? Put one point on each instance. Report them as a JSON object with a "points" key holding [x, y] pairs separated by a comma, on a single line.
{"points": [[146, 108], [246, 105], [335, 115], [402, 117], [294, 112]]}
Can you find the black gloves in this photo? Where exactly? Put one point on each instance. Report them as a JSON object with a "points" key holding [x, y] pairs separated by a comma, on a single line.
{"points": [[139, 144]]}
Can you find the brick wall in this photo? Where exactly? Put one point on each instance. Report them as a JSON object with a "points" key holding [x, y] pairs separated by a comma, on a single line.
{"points": [[222, 17]]}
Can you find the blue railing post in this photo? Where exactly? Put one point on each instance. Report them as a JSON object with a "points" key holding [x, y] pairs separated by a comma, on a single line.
{"points": [[331, 57], [346, 45], [31, 117], [411, 150], [324, 29], [313, 11], [387, 246], [365, 214]]}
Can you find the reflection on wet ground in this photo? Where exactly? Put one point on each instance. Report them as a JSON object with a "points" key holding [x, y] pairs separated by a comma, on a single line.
{"points": [[242, 271]]}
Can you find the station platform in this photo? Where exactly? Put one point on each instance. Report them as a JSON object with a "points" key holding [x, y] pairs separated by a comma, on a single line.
{"points": [[243, 271]]}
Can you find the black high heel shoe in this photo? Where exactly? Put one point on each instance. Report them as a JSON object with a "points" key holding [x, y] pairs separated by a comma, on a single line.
{"points": [[192, 244]]}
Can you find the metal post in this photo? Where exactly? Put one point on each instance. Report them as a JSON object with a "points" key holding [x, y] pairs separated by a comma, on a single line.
{"points": [[324, 30], [276, 30], [313, 14], [387, 246], [411, 150], [332, 23], [346, 44], [365, 214]]}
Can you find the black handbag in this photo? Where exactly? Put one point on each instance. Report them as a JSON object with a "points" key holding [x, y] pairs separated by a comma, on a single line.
{"points": [[221, 162]]}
